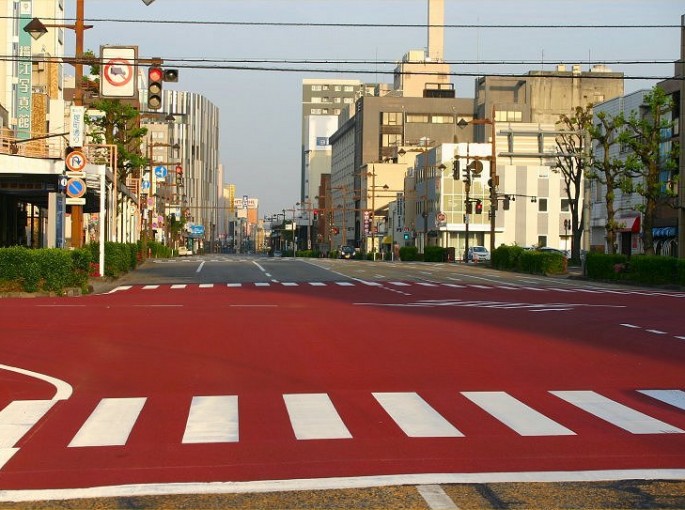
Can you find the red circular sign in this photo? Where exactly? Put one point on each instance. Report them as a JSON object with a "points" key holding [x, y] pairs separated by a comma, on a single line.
{"points": [[118, 72]]}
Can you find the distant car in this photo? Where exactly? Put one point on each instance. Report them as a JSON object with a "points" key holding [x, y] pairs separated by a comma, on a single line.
{"points": [[278, 253], [184, 252], [478, 254], [346, 252], [554, 250]]}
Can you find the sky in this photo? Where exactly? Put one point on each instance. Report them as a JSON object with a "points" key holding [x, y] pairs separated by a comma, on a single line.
{"points": [[260, 122]]}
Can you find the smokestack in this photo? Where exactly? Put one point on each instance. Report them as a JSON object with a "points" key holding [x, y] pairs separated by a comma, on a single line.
{"points": [[436, 34]]}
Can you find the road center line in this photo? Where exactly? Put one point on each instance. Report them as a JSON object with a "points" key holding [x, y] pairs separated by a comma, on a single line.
{"points": [[200, 267]]}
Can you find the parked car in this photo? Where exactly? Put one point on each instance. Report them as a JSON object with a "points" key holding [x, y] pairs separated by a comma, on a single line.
{"points": [[478, 254], [346, 252], [278, 253], [554, 250]]}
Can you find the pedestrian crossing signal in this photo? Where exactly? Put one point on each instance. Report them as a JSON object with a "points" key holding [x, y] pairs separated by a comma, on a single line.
{"points": [[479, 207]]}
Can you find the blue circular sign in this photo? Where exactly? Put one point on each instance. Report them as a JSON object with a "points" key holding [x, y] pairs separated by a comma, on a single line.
{"points": [[161, 171]]}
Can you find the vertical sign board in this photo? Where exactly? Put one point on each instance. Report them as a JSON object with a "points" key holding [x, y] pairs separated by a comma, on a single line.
{"points": [[118, 71], [22, 107], [77, 125]]}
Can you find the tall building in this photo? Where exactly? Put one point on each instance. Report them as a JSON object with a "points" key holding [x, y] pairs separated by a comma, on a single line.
{"points": [[322, 101]]}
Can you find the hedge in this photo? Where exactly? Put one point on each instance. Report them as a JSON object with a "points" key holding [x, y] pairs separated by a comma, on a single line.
{"points": [[650, 270], [515, 258], [409, 253], [50, 270]]}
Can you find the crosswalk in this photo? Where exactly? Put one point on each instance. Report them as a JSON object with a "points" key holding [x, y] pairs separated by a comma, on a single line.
{"points": [[213, 419], [406, 285]]}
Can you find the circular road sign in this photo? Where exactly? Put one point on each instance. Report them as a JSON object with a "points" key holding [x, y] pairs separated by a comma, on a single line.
{"points": [[75, 161], [441, 217], [118, 72], [76, 188], [161, 172]]}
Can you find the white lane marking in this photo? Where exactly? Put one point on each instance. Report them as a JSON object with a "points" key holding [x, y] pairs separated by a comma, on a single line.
{"points": [[234, 285], [415, 416], [212, 419], [63, 390], [317, 284], [680, 337], [426, 284], [290, 284], [19, 416], [516, 415], [676, 398], [436, 498], [615, 413], [313, 416], [345, 284], [110, 423], [454, 285], [200, 266], [262, 284], [478, 286], [179, 286], [632, 326], [150, 287], [206, 285], [120, 287], [656, 331], [337, 483]]}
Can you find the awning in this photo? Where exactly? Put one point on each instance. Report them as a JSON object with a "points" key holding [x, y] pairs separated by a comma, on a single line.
{"points": [[665, 232], [629, 224], [387, 240]]}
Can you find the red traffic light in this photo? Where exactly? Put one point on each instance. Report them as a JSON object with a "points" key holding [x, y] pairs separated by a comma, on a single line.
{"points": [[479, 207], [155, 74]]}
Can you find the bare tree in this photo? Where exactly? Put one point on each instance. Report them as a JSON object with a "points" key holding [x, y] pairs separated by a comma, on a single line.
{"points": [[610, 170], [574, 154]]}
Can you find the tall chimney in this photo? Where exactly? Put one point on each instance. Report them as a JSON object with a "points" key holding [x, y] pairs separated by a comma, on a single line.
{"points": [[436, 32]]}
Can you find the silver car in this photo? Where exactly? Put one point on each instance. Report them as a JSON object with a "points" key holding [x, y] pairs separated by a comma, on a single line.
{"points": [[478, 254]]}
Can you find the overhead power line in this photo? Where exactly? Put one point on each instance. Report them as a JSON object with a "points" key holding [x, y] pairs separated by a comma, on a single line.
{"points": [[306, 24]]}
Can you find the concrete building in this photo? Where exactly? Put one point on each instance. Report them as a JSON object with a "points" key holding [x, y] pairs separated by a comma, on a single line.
{"points": [[674, 234]]}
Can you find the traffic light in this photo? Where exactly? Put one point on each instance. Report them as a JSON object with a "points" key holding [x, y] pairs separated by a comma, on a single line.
{"points": [[171, 75], [406, 236], [455, 169], [155, 77], [316, 215], [479, 206]]}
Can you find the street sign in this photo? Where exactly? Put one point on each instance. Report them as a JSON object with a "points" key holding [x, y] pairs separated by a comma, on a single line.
{"points": [[76, 188], [78, 126], [117, 75], [75, 201], [145, 185], [441, 217], [76, 161], [161, 172]]}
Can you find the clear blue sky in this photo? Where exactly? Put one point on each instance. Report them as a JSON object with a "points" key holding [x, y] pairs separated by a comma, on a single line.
{"points": [[260, 110]]}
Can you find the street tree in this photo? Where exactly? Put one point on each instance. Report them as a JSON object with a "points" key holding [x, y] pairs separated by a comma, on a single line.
{"points": [[651, 158], [572, 160], [608, 170]]}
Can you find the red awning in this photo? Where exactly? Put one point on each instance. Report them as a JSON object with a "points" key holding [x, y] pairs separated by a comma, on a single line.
{"points": [[629, 224]]}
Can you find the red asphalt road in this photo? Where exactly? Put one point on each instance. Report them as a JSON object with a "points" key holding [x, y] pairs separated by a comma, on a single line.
{"points": [[261, 343]]}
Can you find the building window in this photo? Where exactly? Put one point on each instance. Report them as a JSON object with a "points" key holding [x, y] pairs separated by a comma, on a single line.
{"points": [[391, 140], [348, 100], [324, 87], [337, 100], [316, 99], [442, 119], [542, 205], [542, 241], [316, 88], [392, 118], [316, 111], [565, 205], [337, 88], [348, 88], [417, 118], [508, 116]]}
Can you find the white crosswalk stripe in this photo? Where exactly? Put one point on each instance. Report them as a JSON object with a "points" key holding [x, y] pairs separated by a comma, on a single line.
{"points": [[110, 424], [212, 419], [615, 413], [415, 416], [676, 398], [313, 416], [516, 415]]}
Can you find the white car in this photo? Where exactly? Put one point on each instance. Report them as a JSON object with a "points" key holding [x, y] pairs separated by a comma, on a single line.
{"points": [[478, 254]]}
